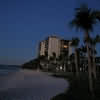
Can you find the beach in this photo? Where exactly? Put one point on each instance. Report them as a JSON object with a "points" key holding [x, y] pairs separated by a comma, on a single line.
{"points": [[30, 85]]}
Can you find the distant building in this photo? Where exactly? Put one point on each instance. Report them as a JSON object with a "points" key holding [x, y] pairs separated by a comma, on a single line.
{"points": [[54, 44], [42, 48], [97, 60], [64, 47], [70, 49]]}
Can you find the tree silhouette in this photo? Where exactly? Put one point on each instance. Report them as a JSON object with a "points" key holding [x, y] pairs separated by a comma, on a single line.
{"points": [[85, 19]]}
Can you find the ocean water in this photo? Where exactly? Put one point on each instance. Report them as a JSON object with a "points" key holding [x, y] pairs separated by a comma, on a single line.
{"points": [[19, 84], [8, 69]]}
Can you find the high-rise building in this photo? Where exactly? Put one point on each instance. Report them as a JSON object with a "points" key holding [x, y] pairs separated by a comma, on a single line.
{"points": [[70, 48], [42, 48], [54, 44], [64, 47]]}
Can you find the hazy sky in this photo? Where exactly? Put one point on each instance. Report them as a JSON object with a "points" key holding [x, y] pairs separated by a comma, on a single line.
{"points": [[23, 23]]}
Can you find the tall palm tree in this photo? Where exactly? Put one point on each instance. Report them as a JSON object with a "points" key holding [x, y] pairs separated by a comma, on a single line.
{"points": [[75, 43], [65, 60], [85, 19], [62, 60], [94, 42], [72, 62], [83, 57], [53, 60], [54, 57]]}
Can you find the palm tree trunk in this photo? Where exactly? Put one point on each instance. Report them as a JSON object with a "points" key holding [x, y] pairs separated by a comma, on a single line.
{"points": [[64, 67], [90, 70], [94, 64], [89, 63], [76, 64]]}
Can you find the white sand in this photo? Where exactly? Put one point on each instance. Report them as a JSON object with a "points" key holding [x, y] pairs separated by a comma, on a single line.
{"points": [[30, 85]]}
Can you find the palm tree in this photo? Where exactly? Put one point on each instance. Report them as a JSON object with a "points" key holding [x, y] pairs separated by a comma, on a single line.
{"points": [[94, 42], [85, 19], [54, 56], [64, 60], [53, 61], [83, 51], [75, 43], [43, 60], [72, 62], [60, 60]]}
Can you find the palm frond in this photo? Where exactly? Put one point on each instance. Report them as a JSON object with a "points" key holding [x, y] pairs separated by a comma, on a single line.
{"points": [[75, 41], [85, 18], [97, 38], [96, 14]]}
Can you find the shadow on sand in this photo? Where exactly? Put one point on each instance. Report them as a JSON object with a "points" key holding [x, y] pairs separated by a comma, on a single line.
{"points": [[78, 90]]}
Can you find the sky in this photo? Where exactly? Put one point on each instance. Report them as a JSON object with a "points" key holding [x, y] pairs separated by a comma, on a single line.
{"points": [[24, 23]]}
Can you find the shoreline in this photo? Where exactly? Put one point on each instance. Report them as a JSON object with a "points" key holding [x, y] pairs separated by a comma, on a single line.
{"points": [[30, 84]]}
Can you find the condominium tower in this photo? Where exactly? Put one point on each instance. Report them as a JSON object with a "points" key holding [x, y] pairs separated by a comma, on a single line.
{"points": [[54, 44]]}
